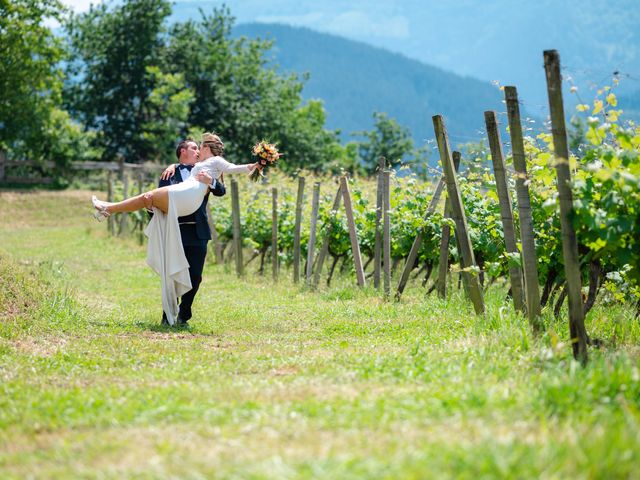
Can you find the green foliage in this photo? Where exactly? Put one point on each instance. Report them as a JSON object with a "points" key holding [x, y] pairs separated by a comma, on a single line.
{"points": [[389, 140], [32, 124], [606, 189], [87, 369], [169, 105], [239, 97], [112, 87]]}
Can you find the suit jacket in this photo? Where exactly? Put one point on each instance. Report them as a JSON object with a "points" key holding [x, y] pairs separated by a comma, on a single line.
{"points": [[194, 228]]}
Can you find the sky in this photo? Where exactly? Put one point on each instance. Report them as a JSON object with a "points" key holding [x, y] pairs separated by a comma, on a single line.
{"points": [[78, 5], [497, 41]]}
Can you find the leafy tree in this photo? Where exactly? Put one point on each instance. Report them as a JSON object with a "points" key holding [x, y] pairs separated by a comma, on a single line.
{"points": [[30, 80], [388, 139], [239, 97], [169, 104], [113, 45]]}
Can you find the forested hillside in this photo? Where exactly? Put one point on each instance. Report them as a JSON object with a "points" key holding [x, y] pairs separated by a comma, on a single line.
{"points": [[354, 80]]}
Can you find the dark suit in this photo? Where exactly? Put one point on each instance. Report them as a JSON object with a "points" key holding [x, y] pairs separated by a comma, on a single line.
{"points": [[195, 233]]}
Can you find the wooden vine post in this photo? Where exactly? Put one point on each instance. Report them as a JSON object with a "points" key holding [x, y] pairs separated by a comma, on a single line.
{"points": [[296, 232], [215, 240], [527, 237], [237, 233], [274, 233], [353, 234], [443, 262], [417, 242], [125, 194], [324, 250], [462, 231], [315, 205], [510, 240], [569, 239], [377, 247], [111, 221], [386, 232]]}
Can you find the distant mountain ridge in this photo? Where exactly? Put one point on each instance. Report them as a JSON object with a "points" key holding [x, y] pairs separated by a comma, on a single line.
{"points": [[499, 40], [355, 79]]}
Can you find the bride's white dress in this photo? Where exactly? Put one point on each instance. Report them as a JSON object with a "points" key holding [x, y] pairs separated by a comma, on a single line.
{"points": [[165, 253]]}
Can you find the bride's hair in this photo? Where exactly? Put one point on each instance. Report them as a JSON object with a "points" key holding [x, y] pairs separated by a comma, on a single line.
{"points": [[213, 141]]}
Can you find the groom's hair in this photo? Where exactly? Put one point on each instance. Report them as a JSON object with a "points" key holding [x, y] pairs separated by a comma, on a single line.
{"points": [[183, 146]]}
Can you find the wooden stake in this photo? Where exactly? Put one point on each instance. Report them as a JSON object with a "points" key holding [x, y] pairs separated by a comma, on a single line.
{"points": [[111, 224], [274, 233], [296, 233], [417, 243], [569, 239], [325, 242], [443, 264], [353, 234], [527, 237], [124, 215], [315, 204], [377, 246], [386, 232], [510, 240], [237, 229], [217, 248], [462, 231]]}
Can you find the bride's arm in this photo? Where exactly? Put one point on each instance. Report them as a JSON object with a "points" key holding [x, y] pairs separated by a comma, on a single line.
{"points": [[228, 167], [168, 172]]}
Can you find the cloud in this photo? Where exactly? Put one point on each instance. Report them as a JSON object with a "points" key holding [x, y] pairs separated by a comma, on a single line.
{"points": [[312, 19], [354, 23]]}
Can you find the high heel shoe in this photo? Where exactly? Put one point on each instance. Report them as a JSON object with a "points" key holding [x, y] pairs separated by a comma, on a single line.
{"points": [[100, 213]]}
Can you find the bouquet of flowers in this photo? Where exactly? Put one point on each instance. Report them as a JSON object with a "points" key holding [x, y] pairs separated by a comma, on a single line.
{"points": [[266, 155]]}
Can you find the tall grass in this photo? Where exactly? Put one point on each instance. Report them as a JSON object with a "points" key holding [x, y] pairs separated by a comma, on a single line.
{"points": [[273, 381]]}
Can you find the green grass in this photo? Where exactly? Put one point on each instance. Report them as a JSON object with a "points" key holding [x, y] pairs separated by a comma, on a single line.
{"points": [[273, 381]]}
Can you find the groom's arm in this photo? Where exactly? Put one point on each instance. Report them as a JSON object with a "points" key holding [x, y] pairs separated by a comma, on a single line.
{"points": [[167, 181], [217, 188]]}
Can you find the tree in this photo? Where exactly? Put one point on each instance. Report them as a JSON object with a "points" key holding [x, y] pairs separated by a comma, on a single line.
{"points": [[30, 80], [388, 139], [244, 100], [169, 106], [112, 48]]}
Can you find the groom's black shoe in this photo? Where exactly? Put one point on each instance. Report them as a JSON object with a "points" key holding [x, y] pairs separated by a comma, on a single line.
{"points": [[184, 316], [165, 322]]}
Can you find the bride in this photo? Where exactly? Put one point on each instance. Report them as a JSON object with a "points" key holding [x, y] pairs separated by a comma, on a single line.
{"points": [[186, 196], [165, 253]]}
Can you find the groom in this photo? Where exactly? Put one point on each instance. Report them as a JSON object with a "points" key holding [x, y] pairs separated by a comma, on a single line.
{"points": [[194, 228]]}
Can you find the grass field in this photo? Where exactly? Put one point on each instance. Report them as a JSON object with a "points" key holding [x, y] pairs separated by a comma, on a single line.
{"points": [[272, 381]]}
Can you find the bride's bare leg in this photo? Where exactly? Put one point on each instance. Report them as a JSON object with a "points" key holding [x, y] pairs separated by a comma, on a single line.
{"points": [[158, 198]]}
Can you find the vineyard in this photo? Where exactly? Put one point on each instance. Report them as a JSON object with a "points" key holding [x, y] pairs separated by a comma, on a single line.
{"points": [[605, 169], [606, 199], [334, 335], [450, 291]]}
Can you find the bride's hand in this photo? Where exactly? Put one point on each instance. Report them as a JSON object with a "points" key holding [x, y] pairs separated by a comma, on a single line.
{"points": [[168, 172], [204, 177]]}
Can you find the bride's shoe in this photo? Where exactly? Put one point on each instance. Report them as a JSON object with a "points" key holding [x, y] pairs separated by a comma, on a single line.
{"points": [[100, 214]]}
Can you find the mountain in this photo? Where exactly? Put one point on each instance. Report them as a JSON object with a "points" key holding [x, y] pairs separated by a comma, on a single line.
{"points": [[355, 79], [499, 40]]}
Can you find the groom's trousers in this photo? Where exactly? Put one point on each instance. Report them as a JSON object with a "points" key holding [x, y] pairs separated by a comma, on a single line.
{"points": [[196, 255]]}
